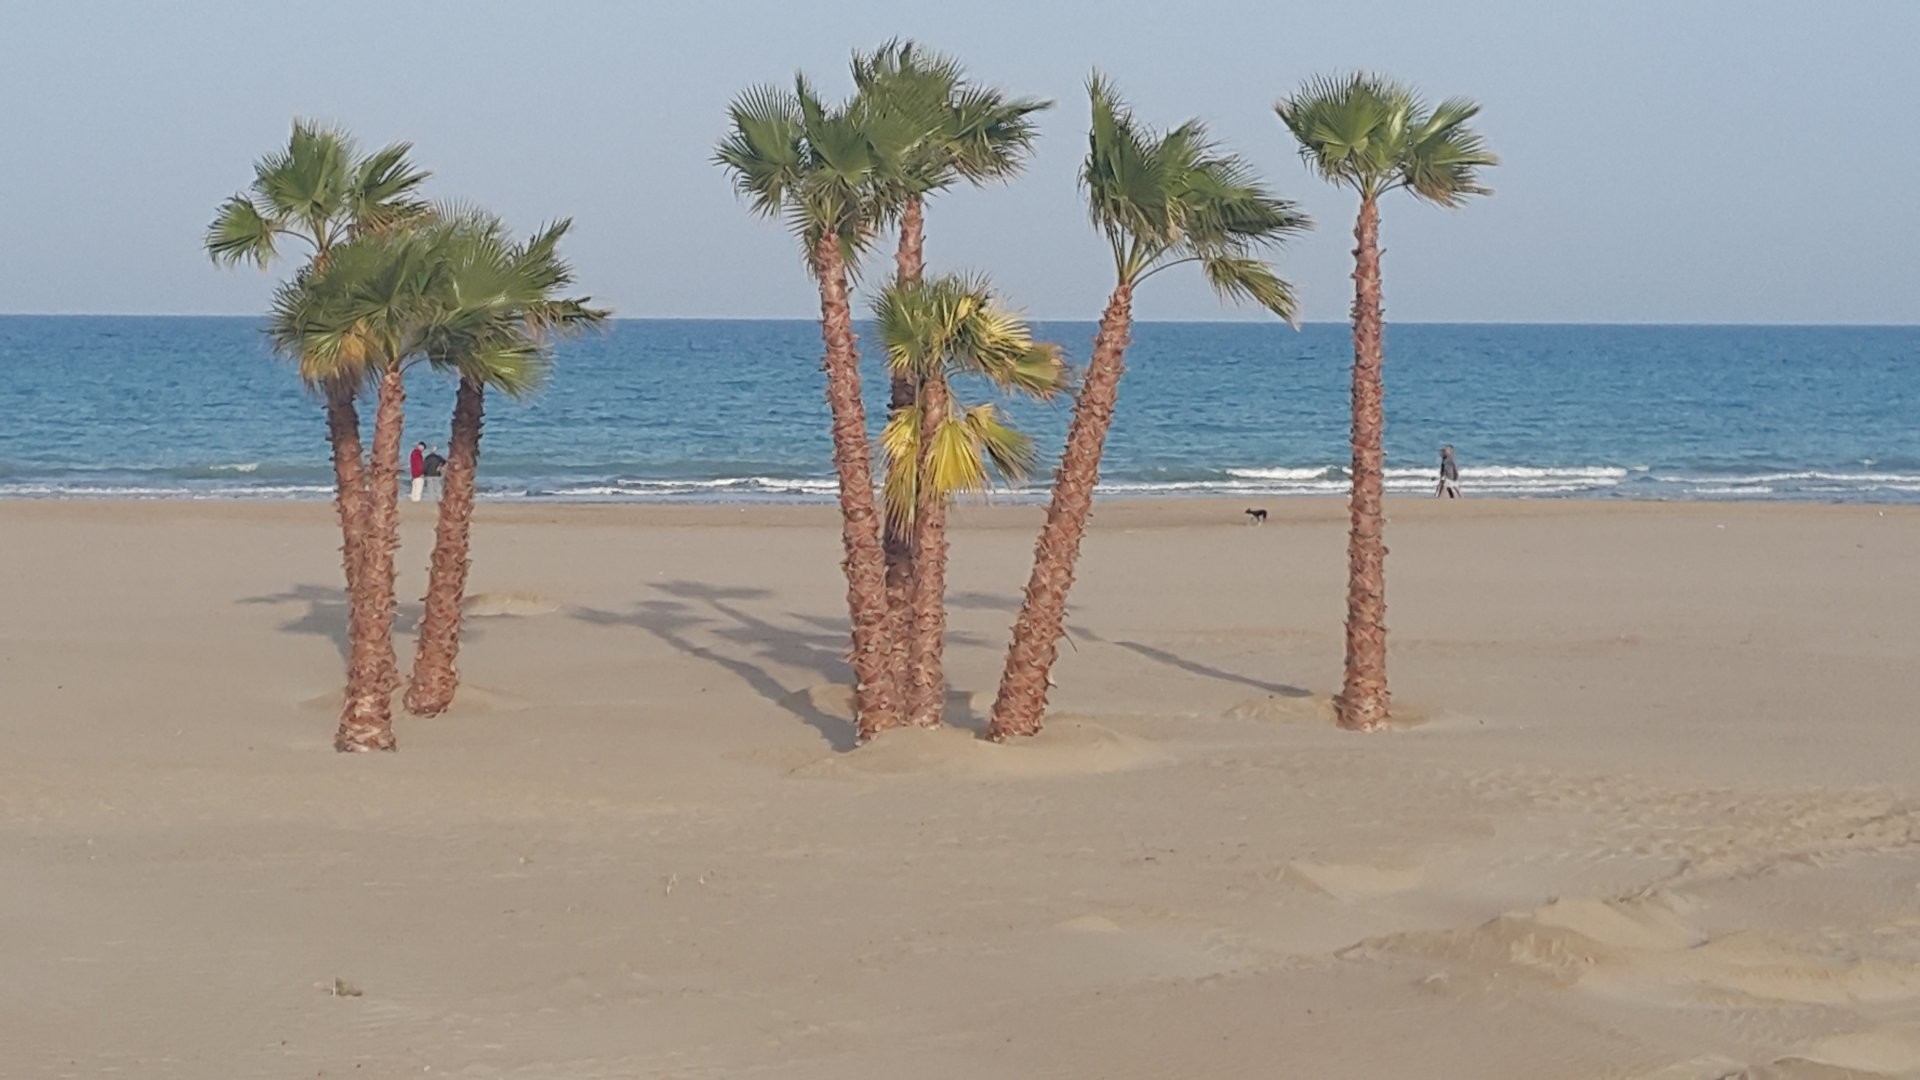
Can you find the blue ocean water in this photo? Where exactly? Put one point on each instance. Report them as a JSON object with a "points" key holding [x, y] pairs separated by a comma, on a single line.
{"points": [[199, 408]]}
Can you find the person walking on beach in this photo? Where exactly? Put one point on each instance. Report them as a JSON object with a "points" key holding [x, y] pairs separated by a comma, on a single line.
{"points": [[1449, 475], [432, 466], [417, 465]]}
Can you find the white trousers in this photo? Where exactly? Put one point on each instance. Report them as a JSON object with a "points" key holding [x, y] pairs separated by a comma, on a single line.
{"points": [[419, 485]]}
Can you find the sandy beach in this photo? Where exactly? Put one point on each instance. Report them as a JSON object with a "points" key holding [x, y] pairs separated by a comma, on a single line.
{"points": [[1659, 819]]}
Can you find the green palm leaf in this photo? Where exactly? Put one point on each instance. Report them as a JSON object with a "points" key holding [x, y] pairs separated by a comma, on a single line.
{"points": [[1372, 134], [1167, 199]]}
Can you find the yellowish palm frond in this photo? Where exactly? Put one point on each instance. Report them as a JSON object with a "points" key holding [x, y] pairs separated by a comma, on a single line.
{"points": [[957, 464], [900, 442], [1009, 451], [971, 448]]}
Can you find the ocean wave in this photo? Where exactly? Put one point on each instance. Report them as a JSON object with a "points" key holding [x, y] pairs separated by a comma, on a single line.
{"points": [[29, 490], [1310, 472], [250, 480], [630, 487], [1851, 478]]}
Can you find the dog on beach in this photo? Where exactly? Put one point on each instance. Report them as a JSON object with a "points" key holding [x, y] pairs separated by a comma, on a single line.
{"points": [[1259, 516]]}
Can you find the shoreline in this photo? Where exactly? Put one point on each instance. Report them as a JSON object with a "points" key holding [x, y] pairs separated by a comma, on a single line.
{"points": [[1124, 511]]}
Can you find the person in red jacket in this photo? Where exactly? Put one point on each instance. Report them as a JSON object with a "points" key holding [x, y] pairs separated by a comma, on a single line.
{"points": [[418, 466]]}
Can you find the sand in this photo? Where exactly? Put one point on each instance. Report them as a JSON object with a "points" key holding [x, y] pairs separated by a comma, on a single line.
{"points": [[1659, 817]]}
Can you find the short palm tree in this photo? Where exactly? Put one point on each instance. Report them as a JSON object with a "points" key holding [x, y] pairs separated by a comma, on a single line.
{"points": [[933, 332], [819, 168], [363, 312], [494, 313], [1374, 135], [1161, 201], [962, 132], [320, 192]]}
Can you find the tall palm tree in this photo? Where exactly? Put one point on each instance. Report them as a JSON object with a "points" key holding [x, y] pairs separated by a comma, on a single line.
{"points": [[964, 132], [1161, 201], [819, 167], [320, 192], [494, 314], [951, 326], [363, 311], [1374, 135]]}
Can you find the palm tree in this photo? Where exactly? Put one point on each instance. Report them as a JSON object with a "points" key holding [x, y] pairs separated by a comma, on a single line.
{"points": [[964, 132], [493, 320], [321, 192], [1374, 135], [361, 316], [819, 168], [948, 327], [1161, 201]]}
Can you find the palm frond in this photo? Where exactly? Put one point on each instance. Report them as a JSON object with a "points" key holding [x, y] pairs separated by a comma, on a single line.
{"points": [[764, 153], [1166, 199], [1238, 277], [1372, 134], [958, 461], [1009, 451], [900, 442], [240, 233], [948, 128], [319, 190]]}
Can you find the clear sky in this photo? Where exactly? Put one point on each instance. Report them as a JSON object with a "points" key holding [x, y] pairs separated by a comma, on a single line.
{"points": [[1667, 160]]}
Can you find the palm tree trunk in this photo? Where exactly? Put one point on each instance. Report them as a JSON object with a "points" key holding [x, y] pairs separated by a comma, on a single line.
{"points": [[366, 723], [927, 683], [435, 674], [1022, 699], [909, 269], [349, 476], [351, 498], [1363, 702], [910, 261], [876, 692]]}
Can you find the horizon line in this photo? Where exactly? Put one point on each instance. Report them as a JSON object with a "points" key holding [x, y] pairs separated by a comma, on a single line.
{"points": [[1051, 319]]}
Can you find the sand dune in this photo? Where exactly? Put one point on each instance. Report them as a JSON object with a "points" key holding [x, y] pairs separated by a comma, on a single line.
{"points": [[1660, 820]]}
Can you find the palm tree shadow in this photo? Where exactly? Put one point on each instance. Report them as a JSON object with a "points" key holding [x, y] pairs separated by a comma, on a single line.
{"points": [[975, 600], [674, 621], [841, 632], [326, 613], [1193, 666]]}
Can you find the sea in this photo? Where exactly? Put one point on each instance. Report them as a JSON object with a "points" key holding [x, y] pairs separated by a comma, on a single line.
{"points": [[125, 407]]}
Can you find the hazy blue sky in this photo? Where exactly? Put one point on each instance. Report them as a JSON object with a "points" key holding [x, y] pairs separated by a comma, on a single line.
{"points": [[1680, 160]]}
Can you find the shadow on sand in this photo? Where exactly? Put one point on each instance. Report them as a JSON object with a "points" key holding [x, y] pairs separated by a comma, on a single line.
{"points": [[1193, 666], [325, 615], [751, 645]]}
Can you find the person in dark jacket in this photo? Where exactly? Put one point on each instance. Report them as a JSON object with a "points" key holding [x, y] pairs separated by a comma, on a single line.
{"points": [[433, 465], [1449, 475]]}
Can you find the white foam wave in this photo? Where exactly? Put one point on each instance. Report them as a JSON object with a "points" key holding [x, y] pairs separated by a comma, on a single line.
{"points": [[757, 485], [1520, 472], [1798, 477], [1287, 474]]}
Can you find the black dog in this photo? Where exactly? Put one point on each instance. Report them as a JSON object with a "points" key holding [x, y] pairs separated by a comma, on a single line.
{"points": [[1259, 516]]}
